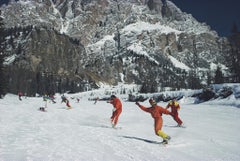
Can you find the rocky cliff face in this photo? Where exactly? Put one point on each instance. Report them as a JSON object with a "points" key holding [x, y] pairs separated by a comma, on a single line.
{"points": [[149, 42], [41, 59]]}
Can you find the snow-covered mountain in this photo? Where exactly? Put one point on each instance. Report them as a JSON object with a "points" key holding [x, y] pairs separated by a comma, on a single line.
{"points": [[143, 41]]}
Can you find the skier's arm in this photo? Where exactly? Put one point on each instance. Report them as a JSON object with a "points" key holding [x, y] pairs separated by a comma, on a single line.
{"points": [[165, 111], [110, 101], [142, 107], [168, 105], [177, 106]]}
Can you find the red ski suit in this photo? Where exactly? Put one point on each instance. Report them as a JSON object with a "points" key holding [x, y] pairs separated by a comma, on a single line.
{"points": [[156, 112], [117, 110], [174, 109]]}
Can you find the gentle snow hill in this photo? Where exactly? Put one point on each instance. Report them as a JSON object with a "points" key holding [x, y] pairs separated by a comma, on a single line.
{"points": [[84, 133]]}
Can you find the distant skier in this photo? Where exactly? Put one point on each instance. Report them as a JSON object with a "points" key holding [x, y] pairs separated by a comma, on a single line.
{"points": [[52, 98], [64, 99], [45, 99], [96, 99], [175, 107], [156, 112], [20, 94], [68, 104], [117, 109]]}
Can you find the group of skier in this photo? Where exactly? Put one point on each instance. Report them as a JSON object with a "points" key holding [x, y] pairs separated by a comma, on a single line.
{"points": [[51, 98], [156, 112]]}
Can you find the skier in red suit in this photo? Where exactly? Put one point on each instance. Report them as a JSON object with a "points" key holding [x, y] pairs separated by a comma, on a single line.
{"points": [[156, 113], [175, 107], [117, 109]]}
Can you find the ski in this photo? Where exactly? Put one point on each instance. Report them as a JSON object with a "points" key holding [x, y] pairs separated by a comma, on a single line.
{"points": [[42, 109], [176, 126], [117, 128]]}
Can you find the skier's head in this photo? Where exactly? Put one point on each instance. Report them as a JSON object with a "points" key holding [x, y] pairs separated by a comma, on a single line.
{"points": [[113, 96], [152, 102], [174, 99]]}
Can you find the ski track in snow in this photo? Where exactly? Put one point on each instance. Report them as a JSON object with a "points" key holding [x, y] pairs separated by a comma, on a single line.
{"points": [[85, 133]]}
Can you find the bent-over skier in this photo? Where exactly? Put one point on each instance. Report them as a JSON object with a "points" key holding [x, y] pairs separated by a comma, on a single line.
{"points": [[117, 109]]}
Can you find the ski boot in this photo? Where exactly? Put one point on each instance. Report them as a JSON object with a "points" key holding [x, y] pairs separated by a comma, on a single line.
{"points": [[165, 140]]}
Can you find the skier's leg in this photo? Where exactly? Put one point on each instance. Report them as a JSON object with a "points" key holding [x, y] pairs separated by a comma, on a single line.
{"points": [[116, 117], [162, 134], [177, 119], [68, 105], [159, 132], [113, 117]]}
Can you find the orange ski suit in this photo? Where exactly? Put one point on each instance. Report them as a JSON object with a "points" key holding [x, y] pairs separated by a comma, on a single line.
{"points": [[117, 110], [174, 109], [156, 113]]}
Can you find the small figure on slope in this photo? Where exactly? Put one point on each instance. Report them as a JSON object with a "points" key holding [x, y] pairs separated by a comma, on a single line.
{"points": [[96, 99], [175, 107], [64, 99], [20, 94], [117, 109], [156, 112], [43, 109], [52, 98]]}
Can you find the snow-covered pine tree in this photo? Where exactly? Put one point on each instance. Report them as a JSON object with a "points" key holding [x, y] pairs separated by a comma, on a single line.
{"points": [[3, 82]]}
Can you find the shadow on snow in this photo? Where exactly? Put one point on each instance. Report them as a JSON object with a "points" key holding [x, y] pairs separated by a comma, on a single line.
{"points": [[141, 139]]}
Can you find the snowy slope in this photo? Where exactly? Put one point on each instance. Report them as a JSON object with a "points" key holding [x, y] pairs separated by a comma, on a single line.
{"points": [[84, 133]]}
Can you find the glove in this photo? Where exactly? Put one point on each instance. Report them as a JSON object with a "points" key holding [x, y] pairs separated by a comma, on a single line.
{"points": [[114, 109], [137, 103]]}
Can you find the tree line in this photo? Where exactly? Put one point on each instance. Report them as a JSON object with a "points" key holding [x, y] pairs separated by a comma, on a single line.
{"points": [[3, 82]]}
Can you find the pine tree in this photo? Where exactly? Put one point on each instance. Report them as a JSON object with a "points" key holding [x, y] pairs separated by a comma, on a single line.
{"points": [[234, 29], [219, 76], [150, 4], [193, 81], [234, 40], [209, 78], [3, 83]]}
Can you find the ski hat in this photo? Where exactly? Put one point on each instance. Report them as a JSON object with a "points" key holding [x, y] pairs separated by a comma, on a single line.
{"points": [[113, 96], [152, 101]]}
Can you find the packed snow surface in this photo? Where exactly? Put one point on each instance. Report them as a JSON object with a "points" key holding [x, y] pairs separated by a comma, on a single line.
{"points": [[85, 133]]}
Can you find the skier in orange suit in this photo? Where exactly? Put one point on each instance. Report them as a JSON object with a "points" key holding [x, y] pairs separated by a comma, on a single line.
{"points": [[156, 112], [117, 109]]}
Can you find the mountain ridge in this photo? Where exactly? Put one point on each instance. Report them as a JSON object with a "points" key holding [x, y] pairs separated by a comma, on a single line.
{"points": [[111, 31]]}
